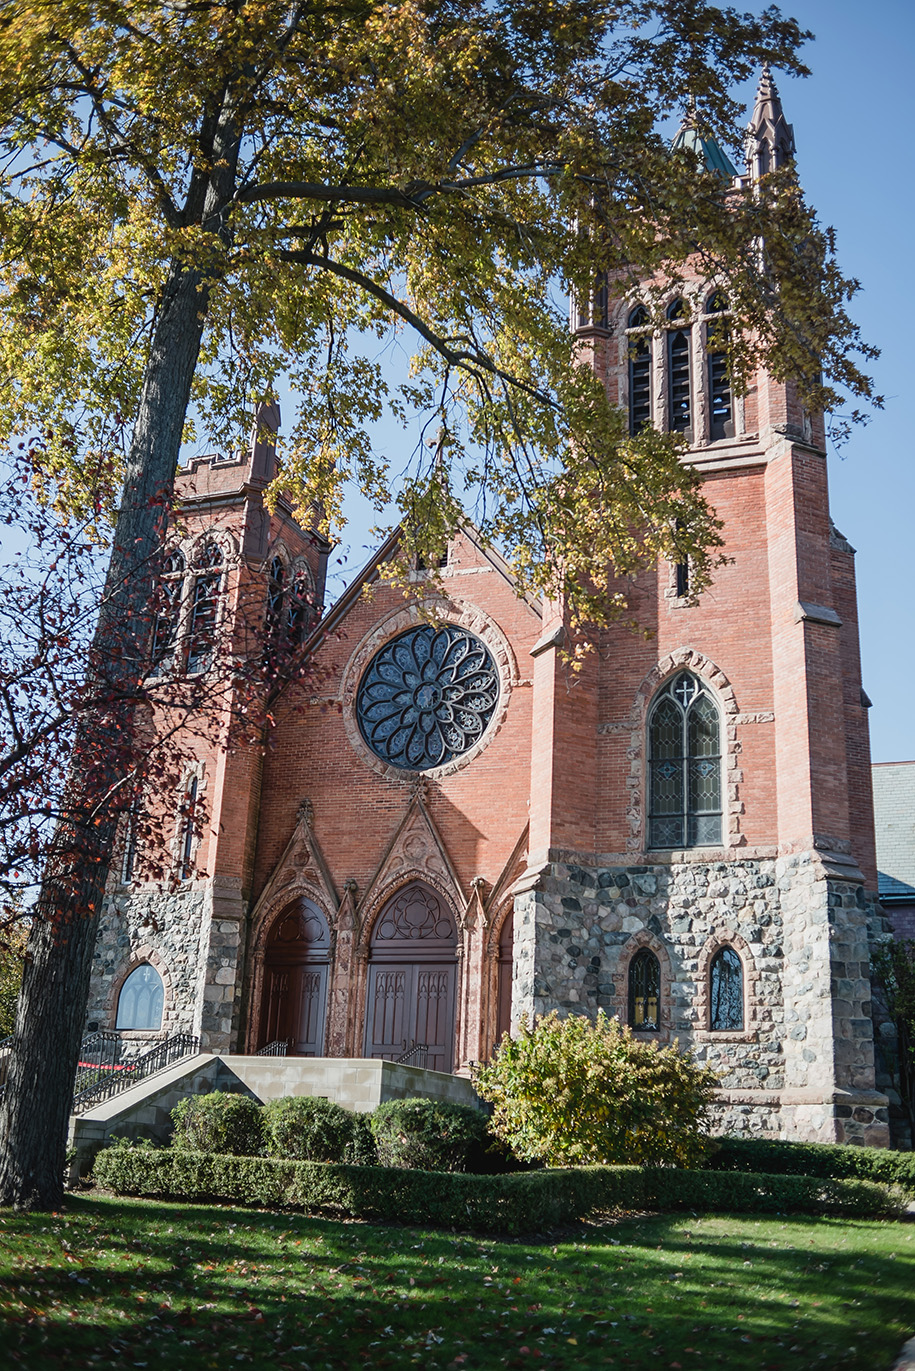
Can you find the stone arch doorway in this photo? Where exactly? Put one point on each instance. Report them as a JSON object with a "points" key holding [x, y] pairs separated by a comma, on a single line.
{"points": [[412, 978], [296, 964]]}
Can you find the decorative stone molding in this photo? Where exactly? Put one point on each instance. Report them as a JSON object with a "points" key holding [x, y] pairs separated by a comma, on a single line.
{"points": [[453, 610], [417, 848]]}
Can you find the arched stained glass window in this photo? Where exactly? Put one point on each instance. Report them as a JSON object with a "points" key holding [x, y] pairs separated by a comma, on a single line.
{"points": [[684, 763], [141, 1000], [298, 611], [644, 991], [726, 991], [639, 371]]}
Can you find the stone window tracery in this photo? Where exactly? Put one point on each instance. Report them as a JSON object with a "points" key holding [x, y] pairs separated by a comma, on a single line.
{"points": [[684, 766], [168, 614], [427, 696], [726, 991], [208, 585], [141, 1000]]}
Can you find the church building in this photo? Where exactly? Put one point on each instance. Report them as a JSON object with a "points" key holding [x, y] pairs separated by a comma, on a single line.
{"points": [[457, 830]]}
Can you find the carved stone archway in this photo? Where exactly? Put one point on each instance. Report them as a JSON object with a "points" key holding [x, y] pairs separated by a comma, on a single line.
{"points": [[296, 956]]}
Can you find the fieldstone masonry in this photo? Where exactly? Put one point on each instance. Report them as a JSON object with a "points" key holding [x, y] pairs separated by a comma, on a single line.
{"points": [[802, 1065], [192, 936]]}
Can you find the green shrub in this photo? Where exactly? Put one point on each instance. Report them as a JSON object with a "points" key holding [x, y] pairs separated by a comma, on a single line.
{"points": [[780, 1157], [426, 1135], [571, 1092], [220, 1123], [312, 1129], [534, 1202]]}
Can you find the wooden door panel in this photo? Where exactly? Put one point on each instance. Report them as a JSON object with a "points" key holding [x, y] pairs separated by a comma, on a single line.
{"points": [[433, 1023], [312, 999], [389, 990]]}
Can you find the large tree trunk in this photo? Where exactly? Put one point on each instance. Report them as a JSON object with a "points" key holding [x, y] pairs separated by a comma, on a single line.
{"points": [[52, 1004]]}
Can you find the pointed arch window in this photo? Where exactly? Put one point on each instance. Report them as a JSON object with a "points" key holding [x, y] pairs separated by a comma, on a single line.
{"points": [[645, 992], [205, 608], [141, 1000], [595, 313], [721, 414], [684, 766], [168, 614], [640, 359], [726, 991], [679, 396]]}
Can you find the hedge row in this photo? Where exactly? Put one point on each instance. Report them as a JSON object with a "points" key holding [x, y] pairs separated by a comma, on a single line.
{"points": [[781, 1158], [532, 1202]]}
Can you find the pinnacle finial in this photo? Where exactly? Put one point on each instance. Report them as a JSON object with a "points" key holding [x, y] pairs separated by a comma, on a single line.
{"points": [[770, 138]]}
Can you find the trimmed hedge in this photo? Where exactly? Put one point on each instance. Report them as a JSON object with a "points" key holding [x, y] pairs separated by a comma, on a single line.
{"points": [[221, 1122], [309, 1128], [427, 1135], [778, 1157], [532, 1202]]}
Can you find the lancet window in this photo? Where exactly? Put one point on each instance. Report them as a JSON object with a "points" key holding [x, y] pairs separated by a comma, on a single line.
{"points": [[205, 608], [679, 380], [640, 359], [684, 765], [168, 615], [721, 417], [644, 991], [726, 991]]}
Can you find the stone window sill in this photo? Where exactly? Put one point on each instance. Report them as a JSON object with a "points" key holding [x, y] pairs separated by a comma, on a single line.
{"points": [[714, 1035]]}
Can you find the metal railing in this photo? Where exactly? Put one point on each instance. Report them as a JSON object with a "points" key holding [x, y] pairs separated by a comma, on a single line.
{"points": [[277, 1049], [104, 1072], [417, 1054]]}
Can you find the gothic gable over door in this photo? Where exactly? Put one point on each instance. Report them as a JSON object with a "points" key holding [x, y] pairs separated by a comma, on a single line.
{"points": [[296, 961], [412, 978]]}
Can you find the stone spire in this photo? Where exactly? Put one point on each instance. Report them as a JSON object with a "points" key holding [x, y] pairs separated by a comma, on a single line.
{"points": [[770, 138]]}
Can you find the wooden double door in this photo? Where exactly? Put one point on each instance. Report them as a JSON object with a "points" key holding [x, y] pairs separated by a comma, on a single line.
{"points": [[412, 978]]}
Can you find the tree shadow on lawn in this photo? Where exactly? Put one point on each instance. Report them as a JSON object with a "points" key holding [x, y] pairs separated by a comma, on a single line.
{"points": [[139, 1283]]}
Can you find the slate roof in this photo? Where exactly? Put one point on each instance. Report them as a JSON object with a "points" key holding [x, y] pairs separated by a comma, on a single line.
{"points": [[894, 821]]}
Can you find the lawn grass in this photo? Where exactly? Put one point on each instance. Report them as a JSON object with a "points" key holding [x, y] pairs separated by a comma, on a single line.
{"points": [[133, 1283]]}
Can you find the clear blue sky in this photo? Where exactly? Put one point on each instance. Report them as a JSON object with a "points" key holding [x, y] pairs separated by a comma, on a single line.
{"points": [[853, 127]]}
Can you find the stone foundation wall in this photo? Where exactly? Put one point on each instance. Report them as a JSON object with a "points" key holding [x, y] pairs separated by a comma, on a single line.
{"points": [[802, 1065]]}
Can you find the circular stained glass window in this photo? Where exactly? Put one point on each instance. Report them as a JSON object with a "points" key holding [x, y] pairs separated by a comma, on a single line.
{"points": [[427, 697]]}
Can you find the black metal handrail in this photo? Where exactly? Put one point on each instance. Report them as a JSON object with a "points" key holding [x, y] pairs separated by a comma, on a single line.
{"points": [[417, 1054], [277, 1049], [111, 1077]]}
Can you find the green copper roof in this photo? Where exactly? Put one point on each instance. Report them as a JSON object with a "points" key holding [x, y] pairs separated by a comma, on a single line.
{"points": [[714, 156]]}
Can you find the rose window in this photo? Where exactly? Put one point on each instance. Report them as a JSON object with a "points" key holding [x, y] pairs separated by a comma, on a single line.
{"points": [[427, 696]]}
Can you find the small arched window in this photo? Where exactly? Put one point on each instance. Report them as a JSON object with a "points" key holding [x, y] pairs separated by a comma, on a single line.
{"points": [[726, 991], [684, 766], [644, 991], [639, 370], [205, 608], [141, 1000], [168, 614]]}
